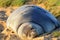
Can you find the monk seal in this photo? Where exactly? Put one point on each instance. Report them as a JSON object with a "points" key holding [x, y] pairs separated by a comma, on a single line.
{"points": [[31, 20]]}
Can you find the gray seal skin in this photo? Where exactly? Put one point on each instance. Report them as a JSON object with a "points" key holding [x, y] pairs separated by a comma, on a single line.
{"points": [[31, 20]]}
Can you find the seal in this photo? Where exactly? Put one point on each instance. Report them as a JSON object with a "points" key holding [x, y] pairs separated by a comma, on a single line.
{"points": [[31, 20]]}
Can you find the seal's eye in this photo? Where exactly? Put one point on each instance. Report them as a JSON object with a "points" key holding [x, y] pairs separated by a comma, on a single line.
{"points": [[32, 28]]}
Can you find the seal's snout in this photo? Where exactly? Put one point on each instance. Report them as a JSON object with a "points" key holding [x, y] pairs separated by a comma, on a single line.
{"points": [[33, 33]]}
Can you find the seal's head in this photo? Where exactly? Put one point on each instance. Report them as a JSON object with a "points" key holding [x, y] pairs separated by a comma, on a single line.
{"points": [[29, 29]]}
